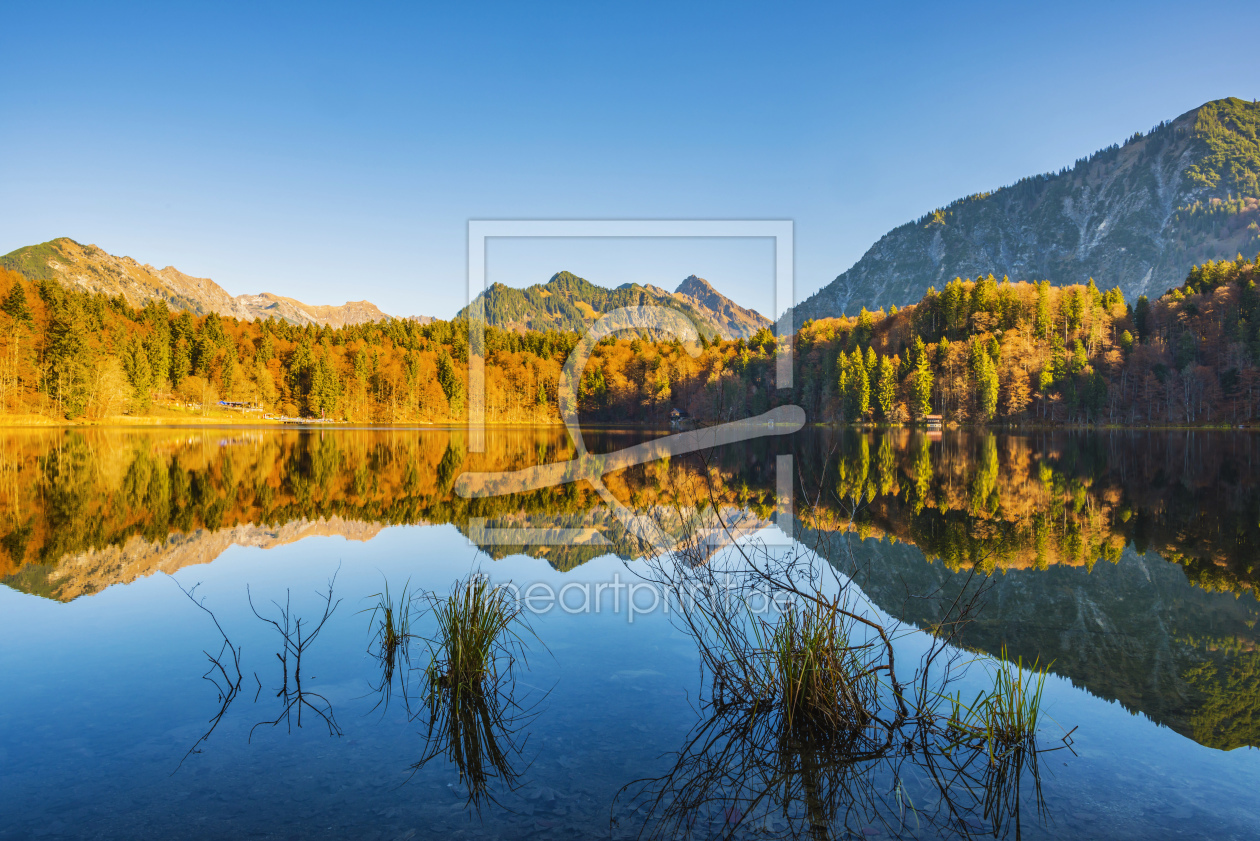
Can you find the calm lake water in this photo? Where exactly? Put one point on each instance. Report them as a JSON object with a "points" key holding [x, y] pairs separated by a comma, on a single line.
{"points": [[1128, 561]]}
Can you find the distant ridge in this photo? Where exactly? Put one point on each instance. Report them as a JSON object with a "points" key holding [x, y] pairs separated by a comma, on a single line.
{"points": [[1136, 215], [569, 302], [93, 269]]}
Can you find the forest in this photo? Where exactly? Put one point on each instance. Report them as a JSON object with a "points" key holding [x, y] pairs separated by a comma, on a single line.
{"points": [[995, 351], [977, 352]]}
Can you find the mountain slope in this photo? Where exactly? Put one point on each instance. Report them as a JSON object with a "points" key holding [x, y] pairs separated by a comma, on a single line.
{"points": [[732, 320], [569, 302], [91, 268], [1136, 215]]}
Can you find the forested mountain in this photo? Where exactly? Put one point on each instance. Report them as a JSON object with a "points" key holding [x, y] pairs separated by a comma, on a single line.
{"points": [[977, 352], [987, 351], [1136, 215], [93, 270], [568, 302]]}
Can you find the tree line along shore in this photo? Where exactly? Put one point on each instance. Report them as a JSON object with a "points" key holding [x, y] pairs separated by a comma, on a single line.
{"points": [[976, 352]]}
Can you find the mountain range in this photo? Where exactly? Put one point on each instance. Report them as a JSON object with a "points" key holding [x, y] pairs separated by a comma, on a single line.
{"points": [[1136, 215], [91, 268], [566, 302], [569, 302]]}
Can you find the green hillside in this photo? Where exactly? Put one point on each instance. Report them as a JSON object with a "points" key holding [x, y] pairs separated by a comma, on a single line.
{"points": [[571, 303], [32, 260]]}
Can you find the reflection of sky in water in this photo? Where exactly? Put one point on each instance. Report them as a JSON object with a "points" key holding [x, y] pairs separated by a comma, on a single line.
{"points": [[101, 697]]}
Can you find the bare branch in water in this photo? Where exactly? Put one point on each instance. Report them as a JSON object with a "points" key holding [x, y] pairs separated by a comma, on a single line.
{"points": [[295, 699], [224, 671]]}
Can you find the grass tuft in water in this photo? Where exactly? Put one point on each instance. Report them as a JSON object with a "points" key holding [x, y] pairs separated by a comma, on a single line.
{"points": [[391, 638], [813, 670], [1005, 717], [802, 663], [477, 639], [474, 717]]}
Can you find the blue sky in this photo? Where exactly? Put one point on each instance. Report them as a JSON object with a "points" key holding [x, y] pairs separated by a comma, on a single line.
{"points": [[337, 152]]}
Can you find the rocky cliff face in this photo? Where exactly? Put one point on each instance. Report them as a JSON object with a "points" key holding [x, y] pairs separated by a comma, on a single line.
{"points": [[91, 268], [732, 320], [1136, 215]]}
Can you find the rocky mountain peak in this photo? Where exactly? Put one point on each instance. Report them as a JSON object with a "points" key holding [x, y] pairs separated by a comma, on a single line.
{"points": [[91, 268], [1137, 215], [696, 287]]}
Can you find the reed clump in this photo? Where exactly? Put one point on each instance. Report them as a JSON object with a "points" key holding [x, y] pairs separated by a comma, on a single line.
{"points": [[813, 670], [478, 638], [474, 717], [390, 619], [805, 665], [1006, 716]]}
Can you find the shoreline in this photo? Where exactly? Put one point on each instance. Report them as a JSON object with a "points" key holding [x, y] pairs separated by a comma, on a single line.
{"points": [[227, 422]]}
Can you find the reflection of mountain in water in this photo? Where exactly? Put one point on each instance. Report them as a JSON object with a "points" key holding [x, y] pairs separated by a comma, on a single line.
{"points": [[1133, 631], [81, 510], [100, 505], [568, 540], [91, 571]]}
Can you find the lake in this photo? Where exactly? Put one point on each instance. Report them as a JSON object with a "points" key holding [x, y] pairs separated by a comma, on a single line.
{"points": [[1125, 561]]}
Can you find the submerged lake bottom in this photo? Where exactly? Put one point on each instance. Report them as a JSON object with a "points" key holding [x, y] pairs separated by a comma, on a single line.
{"points": [[1125, 563]]}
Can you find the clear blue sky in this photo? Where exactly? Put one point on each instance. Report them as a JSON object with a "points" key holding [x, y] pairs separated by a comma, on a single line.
{"points": [[337, 152]]}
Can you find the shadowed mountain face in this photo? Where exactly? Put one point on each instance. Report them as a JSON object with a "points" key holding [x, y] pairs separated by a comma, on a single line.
{"points": [[1136, 215], [568, 302], [1134, 632], [1060, 520], [88, 267]]}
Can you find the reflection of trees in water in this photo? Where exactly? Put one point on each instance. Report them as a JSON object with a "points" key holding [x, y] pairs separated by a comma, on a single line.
{"points": [[1024, 501], [1230, 684], [71, 499], [1040, 500], [1062, 498], [91, 490]]}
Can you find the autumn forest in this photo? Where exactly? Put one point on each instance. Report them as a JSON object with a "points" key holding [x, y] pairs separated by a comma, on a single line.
{"points": [[976, 352]]}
